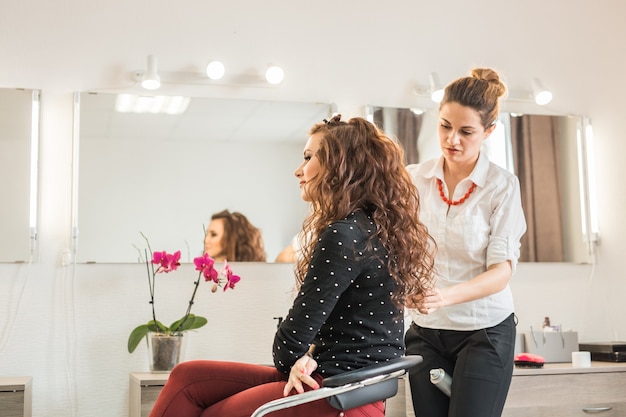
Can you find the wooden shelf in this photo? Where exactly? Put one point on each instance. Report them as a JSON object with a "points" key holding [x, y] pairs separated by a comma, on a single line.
{"points": [[16, 396], [144, 390], [560, 390]]}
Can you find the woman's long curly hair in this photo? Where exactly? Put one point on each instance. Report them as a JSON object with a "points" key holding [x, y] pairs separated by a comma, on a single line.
{"points": [[362, 168], [242, 241]]}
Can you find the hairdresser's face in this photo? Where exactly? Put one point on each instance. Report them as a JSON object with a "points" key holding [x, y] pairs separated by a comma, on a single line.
{"points": [[213, 239], [310, 166], [461, 133]]}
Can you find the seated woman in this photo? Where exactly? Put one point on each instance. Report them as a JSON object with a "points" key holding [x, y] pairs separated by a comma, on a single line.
{"points": [[231, 236], [368, 253]]}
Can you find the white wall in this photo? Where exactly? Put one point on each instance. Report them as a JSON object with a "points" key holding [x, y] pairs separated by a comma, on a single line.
{"points": [[57, 322]]}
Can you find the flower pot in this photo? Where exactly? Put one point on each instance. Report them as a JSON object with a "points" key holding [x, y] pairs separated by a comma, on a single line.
{"points": [[164, 351]]}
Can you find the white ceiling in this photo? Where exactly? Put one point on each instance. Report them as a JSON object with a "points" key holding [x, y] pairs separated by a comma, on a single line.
{"points": [[204, 119]]}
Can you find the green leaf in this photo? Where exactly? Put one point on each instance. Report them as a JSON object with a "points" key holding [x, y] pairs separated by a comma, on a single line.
{"points": [[136, 335], [196, 323], [158, 327], [192, 322], [142, 331]]}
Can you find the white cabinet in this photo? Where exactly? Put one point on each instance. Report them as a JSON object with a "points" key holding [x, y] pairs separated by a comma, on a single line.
{"points": [[16, 396], [144, 390], [559, 390]]}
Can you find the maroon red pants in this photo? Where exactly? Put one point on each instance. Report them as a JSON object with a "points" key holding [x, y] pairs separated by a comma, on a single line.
{"points": [[233, 389]]}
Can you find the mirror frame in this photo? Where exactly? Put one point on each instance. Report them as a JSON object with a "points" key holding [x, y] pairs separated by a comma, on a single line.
{"points": [[21, 119]]}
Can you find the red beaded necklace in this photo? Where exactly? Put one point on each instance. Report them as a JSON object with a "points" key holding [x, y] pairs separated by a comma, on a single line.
{"points": [[450, 202]]}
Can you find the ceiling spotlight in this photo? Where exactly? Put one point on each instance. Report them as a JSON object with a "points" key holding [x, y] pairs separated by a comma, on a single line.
{"points": [[436, 88], [274, 75], [540, 94], [151, 79], [215, 70]]}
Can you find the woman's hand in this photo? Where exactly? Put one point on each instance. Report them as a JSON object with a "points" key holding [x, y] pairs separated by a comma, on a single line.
{"points": [[429, 302], [494, 279], [301, 373]]}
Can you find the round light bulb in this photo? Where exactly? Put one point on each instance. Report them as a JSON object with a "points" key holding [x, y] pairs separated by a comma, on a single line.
{"points": [[151, 83], [274, 75], [215, 70], [437, 95], [543, 97]]}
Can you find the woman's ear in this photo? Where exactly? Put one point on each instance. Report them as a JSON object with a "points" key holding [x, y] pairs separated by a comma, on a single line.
{"points": [[490, 130]]}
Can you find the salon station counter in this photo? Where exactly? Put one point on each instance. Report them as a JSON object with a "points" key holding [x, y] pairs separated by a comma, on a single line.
{"points": [[559, 390], [556, 390]]}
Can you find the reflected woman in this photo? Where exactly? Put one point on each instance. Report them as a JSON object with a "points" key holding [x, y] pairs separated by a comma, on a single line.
{"points": [[292, 251], [230, 236]]}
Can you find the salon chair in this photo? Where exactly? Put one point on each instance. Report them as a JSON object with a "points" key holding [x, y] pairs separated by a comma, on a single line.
{"points": [[351, 389]]}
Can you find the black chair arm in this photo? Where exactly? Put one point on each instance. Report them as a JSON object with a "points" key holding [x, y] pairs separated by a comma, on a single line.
{"points": [[351, 389], [387, 367]]}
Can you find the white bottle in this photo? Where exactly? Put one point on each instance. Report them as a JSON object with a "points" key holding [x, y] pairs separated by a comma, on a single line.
{"points": [[442, 380]]}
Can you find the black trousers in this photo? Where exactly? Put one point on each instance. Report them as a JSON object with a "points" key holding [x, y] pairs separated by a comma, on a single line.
{"points": [[479, 361]]}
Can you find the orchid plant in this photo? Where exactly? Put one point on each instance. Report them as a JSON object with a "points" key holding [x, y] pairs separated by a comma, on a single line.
{"points": [[163, 262]]}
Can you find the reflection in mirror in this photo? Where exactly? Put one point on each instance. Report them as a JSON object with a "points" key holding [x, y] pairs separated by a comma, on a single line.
{"points": [[164, 175], [19, 142], [543, 151]]}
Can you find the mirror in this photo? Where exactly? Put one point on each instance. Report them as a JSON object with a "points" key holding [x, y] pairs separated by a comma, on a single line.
{"points": [[542, 150], [164, 175], [19, 141]]}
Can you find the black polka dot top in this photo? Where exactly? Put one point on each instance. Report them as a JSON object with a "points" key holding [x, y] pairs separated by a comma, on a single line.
{"points": [[344, 306]]}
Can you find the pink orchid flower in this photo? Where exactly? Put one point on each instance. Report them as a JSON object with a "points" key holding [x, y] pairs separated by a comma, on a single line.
{"points": [[206, 264], [232, 279], [167, 262]]}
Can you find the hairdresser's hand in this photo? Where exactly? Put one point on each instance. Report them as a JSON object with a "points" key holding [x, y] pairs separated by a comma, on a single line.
{"points": [[428, 302], [301, 373]]}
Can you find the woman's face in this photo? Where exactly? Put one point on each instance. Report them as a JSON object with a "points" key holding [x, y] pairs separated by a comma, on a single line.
{"points": [[310, 167], [461, 133], [213, 239]]}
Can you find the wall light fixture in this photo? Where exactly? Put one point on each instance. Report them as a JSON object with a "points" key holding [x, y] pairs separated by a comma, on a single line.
{"points": [[215, 70], [34, 163], [214, 74], [540, 94], [274, 75], [150, 79], [587, 175], [436, 88]]}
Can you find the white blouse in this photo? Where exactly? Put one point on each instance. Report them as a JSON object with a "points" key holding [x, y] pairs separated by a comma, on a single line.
{"points": [[482, 231]]}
